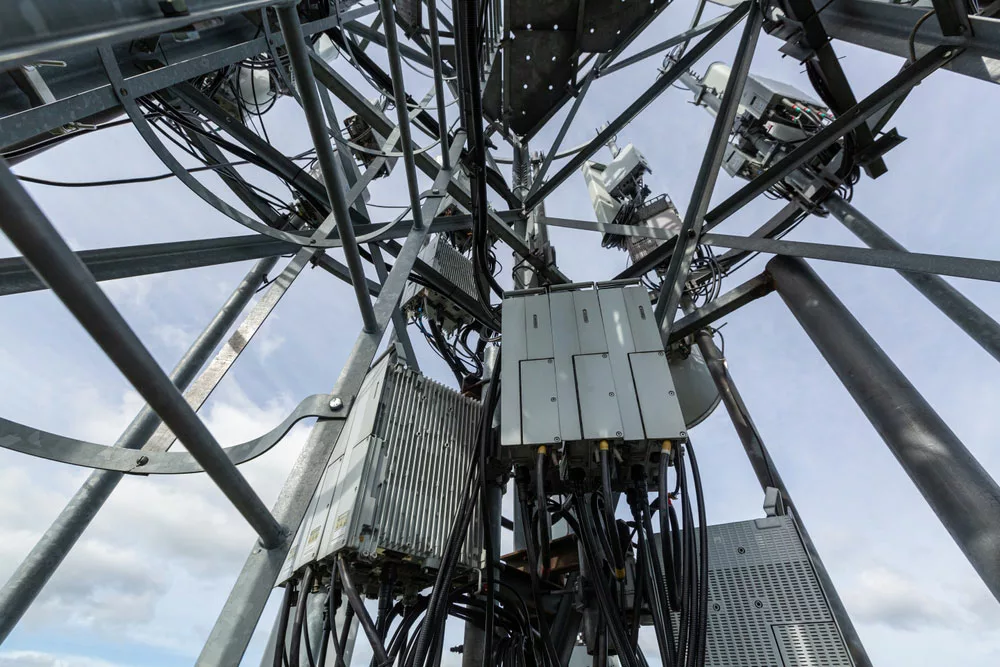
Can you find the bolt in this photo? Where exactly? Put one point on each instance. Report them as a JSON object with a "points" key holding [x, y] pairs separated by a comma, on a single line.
{"points": [[683, 433], [336, 403], [716, 607], [604, 356], [670, 393], [553, 399], [741, 550], [692, 233], [123, 91], [758, 604], [611, 393], [142, 460], [618, 433], [557, 439]]}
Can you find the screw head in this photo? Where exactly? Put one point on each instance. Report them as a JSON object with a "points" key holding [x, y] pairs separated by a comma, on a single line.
{"points": [[670, 393], [553, 399], [142, 460], [123, 92], [557, 439], [618, 433], [758, 604], [336, 403], [683, 433], [611, 393], [741, 550]]}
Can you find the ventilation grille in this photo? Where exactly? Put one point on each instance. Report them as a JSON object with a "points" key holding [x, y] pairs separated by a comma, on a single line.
{"points": [[765, 606], [429, 440]]}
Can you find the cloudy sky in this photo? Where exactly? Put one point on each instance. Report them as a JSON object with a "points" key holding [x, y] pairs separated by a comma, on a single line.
{"points": [[145, 583]]}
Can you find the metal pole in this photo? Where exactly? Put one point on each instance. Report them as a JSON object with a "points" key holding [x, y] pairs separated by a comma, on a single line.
{"points": [[968, 316], [32, 233], [957, 488], [16, 277], [432, 25], [768, 476], [687, 238], [298, 55], [42, 561], [402, 115]]}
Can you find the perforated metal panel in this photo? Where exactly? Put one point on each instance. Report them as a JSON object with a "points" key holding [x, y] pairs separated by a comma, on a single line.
{"points": [[766, 607]]}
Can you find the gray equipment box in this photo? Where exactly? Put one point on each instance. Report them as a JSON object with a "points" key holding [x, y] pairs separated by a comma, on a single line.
{"points": [[454, 266], [765, 605], [394, 484], [583, 364]]}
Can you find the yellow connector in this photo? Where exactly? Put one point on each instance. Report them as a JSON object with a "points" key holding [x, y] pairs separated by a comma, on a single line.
{"points": [[620, 573], [604, 446], [541, 449], [666, 446]]}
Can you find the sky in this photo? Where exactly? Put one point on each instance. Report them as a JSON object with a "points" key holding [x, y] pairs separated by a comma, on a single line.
{"points": [[145, 583]]}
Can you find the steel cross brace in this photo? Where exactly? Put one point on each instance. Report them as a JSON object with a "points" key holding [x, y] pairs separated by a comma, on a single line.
{"points": [[662, 82], [959, 267], [38, 120], [687, 239], [900, 84], [381, 124]]}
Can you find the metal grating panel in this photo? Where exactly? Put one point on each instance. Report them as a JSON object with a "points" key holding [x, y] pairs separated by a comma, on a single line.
{"points": [[766, 607]]}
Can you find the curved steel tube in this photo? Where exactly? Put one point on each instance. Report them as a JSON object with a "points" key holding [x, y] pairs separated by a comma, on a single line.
{"points": [[46, 445]]}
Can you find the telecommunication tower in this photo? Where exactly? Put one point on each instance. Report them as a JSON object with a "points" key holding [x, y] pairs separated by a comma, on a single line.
{"points": [[575, 398]]}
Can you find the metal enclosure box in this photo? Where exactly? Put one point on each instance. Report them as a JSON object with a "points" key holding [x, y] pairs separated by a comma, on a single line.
{"points": [[394, 484], [627, 165], [454, 266], [583, 364], [765, 605]]}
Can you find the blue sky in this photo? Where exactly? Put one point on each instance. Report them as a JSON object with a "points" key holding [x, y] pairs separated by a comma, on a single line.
{"points": [[145, 583]]}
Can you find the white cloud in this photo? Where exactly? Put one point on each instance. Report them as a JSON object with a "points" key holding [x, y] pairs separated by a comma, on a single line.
{"points": [[173, 336], [883, 596], [40, 659]]}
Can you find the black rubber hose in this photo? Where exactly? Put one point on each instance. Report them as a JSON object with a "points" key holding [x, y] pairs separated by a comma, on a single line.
{"points": [[612, 616], [536, 592], [354, 598], [666, 534], [649, 578], [542, 505], [300, 615], [611, 526], [324, 642], [332, 604], [657, 580], [702, 598], [279, 639], [640, 587], [689, 610]]}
